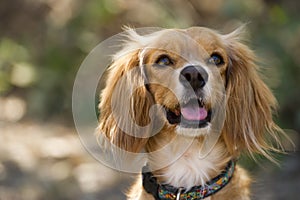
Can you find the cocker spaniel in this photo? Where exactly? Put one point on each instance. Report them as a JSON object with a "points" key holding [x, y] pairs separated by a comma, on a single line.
{"points": [[193, 101]]}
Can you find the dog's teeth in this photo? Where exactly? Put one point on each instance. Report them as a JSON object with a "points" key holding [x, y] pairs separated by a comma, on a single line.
{"points": [[201, 101]]}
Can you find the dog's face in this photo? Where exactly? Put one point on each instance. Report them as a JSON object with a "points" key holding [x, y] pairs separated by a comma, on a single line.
{"points": [[196, 76], [186, 74]]}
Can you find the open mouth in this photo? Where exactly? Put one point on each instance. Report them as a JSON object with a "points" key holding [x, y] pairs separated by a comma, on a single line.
{"points": [[192, 114]]}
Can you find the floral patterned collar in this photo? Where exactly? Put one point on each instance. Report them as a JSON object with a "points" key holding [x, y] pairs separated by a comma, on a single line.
{"points": [[168, 192]]}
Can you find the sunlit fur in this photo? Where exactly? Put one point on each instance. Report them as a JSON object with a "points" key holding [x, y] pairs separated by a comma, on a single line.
{"points": [[249, 106]]}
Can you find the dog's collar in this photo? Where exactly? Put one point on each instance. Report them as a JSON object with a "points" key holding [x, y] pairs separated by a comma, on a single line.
{"points": [[168, 192]]}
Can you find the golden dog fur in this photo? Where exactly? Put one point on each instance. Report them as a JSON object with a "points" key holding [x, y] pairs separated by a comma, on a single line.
{"points": [[249, 106]]}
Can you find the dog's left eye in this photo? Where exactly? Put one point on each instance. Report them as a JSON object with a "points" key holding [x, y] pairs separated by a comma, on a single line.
{"points": [[164, 60], [215, 59]]}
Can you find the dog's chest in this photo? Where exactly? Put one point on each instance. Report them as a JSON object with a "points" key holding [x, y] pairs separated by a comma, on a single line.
{"points": [[191, 169]]}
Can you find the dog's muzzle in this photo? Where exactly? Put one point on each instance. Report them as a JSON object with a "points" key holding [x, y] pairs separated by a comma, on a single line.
{"points": [[192, 111]]}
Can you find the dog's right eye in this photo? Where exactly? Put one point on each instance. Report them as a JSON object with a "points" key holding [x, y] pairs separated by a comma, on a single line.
{"points": [[164, 60]]}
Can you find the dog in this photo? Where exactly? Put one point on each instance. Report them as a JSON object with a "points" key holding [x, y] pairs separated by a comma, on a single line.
{"points": [[193, 101]]}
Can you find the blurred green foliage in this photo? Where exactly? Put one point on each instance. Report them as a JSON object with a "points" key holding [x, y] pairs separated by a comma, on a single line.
{"points": [[42, 43]]}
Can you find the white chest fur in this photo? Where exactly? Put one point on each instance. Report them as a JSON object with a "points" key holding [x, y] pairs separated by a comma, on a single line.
{"points": [[190, 168]]}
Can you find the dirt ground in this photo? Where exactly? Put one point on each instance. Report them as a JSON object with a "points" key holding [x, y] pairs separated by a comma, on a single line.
{"points": [[43, 161]]}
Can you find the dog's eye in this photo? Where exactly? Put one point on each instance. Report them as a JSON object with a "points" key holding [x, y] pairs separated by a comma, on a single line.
{"points": [[215, 59], [164, 60]]}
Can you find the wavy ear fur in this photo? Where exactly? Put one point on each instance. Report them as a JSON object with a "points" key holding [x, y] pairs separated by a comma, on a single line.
{"points": [[125, 93], [250, 104]]}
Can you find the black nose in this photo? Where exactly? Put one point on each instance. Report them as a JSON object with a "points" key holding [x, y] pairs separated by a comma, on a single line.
{"points": [[193, 76]]}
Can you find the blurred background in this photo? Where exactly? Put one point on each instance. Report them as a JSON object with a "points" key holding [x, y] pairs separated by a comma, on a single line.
{"points": [[42, 45]]}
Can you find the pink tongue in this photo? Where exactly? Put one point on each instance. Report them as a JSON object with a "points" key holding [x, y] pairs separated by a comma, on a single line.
{"points": [[194, 113]]}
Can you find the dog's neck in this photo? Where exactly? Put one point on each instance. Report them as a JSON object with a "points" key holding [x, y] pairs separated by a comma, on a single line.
{"points": [[188, 166]]}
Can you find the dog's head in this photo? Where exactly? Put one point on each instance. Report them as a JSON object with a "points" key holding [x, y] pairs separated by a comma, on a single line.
{"points": [[198, 77]]}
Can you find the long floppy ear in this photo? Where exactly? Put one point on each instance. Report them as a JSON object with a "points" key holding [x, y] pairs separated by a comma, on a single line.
{"points": [[250, 104], [125, 104]]}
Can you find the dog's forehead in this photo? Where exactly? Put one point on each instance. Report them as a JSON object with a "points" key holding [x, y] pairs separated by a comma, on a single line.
{"points": [[194, 39], [199, 33]]}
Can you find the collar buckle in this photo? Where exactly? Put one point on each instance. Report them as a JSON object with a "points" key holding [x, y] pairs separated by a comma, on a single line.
{"points": [[179, 191]]}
